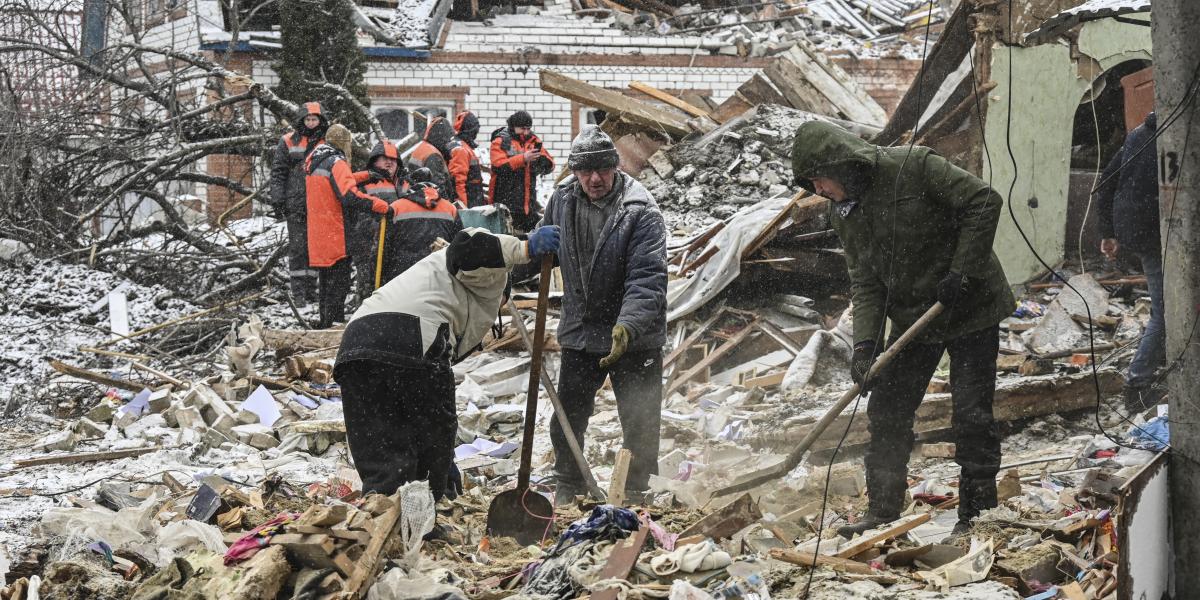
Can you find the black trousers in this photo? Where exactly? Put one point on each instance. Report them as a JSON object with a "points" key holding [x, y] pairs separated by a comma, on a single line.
{"points": [[637, 383], [893, 405], [302, 278], [400, 423], [335, 284]]}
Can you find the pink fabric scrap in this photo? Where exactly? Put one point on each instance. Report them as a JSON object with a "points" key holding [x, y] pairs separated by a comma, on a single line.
{"points": [[248, 545]]}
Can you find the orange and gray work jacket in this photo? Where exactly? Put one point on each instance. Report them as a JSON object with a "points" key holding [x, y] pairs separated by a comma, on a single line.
{"points": [[466, 176], [333, 196], [512, 178], [419, 217], [433, 153]]}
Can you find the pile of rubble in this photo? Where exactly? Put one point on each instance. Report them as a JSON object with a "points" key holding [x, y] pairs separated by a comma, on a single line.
{"points": [[744, 162], [864, 27]]}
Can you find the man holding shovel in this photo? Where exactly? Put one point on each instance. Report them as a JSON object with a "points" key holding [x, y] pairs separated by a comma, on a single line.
{"points": [[916, 230], [614, 270]]}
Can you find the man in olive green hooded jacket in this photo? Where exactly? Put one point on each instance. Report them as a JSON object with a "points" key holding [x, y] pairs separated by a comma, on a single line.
{"points": [[916, 230]]}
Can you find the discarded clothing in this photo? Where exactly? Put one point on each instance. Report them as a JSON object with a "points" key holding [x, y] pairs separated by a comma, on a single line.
{"points": [[248, 545], [704, 556], [569, 573], [606, 522], [1154, 434]]}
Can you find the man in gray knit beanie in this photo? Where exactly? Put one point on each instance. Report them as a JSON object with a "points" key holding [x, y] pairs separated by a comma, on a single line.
{"points": [[614, 270]]}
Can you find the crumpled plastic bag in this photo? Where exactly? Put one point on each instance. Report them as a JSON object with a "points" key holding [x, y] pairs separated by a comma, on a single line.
{"points": [[417, 517], [131, 528], [180, 536], [395, 584]]}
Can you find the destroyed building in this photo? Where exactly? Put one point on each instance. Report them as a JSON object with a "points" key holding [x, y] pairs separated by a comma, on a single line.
{"points": [[197, 449]]}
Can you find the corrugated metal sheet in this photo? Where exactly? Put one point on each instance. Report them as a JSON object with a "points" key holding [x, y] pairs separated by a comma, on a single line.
{"points": [[1088, 11]]}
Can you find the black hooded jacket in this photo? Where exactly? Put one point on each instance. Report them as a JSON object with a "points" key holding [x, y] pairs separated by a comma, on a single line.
{"points": [[1127, 202], [287, 166]]}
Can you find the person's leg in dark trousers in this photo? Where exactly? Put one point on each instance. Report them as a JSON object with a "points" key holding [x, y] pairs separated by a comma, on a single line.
{"points": [[976, 437], [580, 376], [302, 278], [335, 284], [637, 384], [891, 409], [379, 424], [1152, 350], [437, 420]]}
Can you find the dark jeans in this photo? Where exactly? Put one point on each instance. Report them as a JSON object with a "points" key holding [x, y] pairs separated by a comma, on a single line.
{"points": [[400, 423], [637, 383], [302, 278], [1152, 350], [335, 284], [364, 272], [893, 405]]}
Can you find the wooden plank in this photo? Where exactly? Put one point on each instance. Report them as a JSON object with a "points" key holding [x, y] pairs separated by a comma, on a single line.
{"points": [[730, 519], [707, 361], [92, 376], [779, 336], [662, 96], [1018, 400], [66, 459], [803, 206], [614, 103], [763, 381], [692, 339], [291, 341], [621, 560], [795, 87], [805, 559], [372, 558], [864, 544], [620, 473], [835, 86]]}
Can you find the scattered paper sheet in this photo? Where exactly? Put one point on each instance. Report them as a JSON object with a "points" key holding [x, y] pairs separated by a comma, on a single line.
{"points": [[262, 403], [968, 569], [485, 447]]}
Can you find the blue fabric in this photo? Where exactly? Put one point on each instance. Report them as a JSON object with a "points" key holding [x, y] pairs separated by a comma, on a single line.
{"points": [[1154, 435], [1152, 351], [606, 522], [628, 274], [543, 240]]}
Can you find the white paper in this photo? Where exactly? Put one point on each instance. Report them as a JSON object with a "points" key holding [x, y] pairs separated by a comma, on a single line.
{"points": [[262, 403], [485, 447], [118, 313]]}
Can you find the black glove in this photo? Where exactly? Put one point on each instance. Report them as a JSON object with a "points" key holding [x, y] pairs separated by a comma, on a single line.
{"points": [[860, 364], [390, 213], [952, 289], [278, 212], [454, 484]]}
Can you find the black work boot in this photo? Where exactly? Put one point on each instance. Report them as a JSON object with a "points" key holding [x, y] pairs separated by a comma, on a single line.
{"points": [[885, 494], [1139, 399], [975, 496], [565, 493]]}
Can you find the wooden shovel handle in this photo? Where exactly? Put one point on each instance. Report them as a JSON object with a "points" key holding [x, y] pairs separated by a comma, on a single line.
{"points": [[535, 369]]}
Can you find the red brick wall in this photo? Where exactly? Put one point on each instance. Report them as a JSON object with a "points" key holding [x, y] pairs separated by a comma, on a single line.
{"points": [[220, 199], [885, 79]]}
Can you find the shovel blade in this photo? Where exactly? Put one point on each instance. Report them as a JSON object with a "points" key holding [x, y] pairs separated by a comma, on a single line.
{"points": [[520, 514]]}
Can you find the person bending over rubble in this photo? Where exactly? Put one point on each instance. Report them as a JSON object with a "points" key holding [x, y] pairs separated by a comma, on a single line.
{"points": [[394, 361], [614, 318], [916, 230], [383, 179]]}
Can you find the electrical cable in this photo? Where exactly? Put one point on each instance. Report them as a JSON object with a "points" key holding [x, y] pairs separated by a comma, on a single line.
{"points": [[886, 300], [1012, 187]]}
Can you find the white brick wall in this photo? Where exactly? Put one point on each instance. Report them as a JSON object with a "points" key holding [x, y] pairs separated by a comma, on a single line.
{"points": [[496, 91]]}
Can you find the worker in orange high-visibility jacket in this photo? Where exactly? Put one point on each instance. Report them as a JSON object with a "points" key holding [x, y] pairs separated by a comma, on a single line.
{"points": [[433, 152], [383, 179], [466, 176], [333, 194], [518, 159], [288, 198]]}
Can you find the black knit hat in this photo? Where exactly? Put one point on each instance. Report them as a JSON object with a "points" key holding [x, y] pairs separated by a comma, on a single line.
{"points": [[474, 250], [593, 150], [520, 119]]}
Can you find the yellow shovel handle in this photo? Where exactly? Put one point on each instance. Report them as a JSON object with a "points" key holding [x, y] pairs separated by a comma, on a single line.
{"points": [[379, 252]]}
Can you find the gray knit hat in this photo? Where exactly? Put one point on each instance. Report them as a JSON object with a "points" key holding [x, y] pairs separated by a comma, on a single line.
{"points": [[592, 149]]}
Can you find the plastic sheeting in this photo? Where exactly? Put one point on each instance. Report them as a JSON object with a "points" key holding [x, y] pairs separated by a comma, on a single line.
{"points": [[686, 295]]}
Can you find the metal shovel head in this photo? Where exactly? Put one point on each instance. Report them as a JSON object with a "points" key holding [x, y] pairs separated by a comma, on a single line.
{"points": [[521, 514]]}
